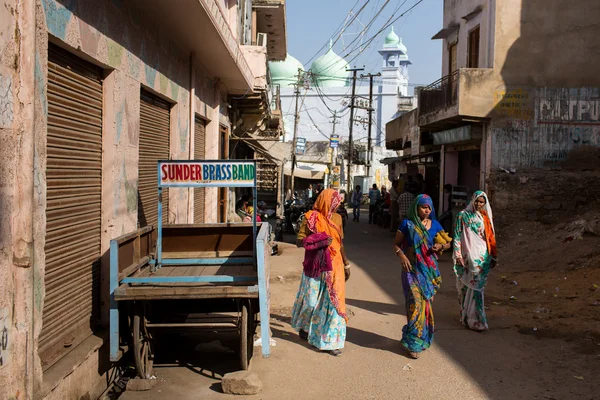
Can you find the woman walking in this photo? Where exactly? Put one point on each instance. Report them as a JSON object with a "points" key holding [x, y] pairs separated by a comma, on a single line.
{"points": [[319, 312], [421, 278], [474, 256]]}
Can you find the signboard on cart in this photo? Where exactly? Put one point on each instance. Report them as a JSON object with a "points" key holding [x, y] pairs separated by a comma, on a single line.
{"points": [[194, 173]]}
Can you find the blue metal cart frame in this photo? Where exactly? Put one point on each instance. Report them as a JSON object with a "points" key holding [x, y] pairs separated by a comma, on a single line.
{"points": [[260, 242]]}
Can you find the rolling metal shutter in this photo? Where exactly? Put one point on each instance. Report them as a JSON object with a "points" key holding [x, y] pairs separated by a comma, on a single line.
{"points": [[199, 154], [155, 122], [73, 213]]}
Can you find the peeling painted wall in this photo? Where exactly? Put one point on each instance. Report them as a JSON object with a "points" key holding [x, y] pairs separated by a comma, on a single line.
{"points": [[539, 127], [135, 52]]}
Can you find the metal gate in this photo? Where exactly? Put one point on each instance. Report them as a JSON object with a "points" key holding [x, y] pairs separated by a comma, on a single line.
{"points": [[73, 213], [199, 154], [155, 122]]}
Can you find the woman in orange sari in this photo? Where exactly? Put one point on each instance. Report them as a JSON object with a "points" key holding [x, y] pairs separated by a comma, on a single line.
{"points": [[319, 312]]}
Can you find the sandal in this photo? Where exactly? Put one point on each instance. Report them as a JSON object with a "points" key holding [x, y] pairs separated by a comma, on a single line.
{"points": [[335, 353], [413, 354], [303, 335]]}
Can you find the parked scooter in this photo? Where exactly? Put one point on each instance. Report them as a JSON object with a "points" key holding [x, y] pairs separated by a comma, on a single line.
{"points": [[294, 210]]}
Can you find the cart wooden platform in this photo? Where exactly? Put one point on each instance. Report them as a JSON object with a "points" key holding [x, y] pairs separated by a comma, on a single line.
{"points": [[203, 276]]}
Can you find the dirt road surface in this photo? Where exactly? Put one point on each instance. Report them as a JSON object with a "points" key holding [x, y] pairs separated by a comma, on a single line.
{"points": [[499, 364]]}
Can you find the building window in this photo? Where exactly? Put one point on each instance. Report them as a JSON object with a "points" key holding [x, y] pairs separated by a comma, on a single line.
{"points": [[473, 53]]}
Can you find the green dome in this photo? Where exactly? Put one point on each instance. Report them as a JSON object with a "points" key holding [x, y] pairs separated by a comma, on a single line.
{"points": [[392, 39], [329, 70], [285, 73]]}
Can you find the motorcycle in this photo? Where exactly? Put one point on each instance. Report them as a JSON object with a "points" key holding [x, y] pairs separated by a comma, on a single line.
{"points": [[294, 211]]}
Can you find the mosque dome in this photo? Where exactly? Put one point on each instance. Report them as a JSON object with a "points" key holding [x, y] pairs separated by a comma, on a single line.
{"points": [[285, 73], [392, 41], [329, 70]]}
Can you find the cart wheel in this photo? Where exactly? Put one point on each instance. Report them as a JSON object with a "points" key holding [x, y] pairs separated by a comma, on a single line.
{"points": [[142, 349], [246, 336]]}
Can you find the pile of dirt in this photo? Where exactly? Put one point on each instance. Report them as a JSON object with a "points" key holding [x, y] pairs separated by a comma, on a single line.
{"points": [[548, 278]]}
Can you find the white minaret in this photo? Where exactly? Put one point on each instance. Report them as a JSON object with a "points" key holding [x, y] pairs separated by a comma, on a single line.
{"points": [[394, 70]]}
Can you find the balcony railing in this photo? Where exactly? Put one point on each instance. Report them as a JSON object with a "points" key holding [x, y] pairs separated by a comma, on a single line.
{"points": [[440, 95]]}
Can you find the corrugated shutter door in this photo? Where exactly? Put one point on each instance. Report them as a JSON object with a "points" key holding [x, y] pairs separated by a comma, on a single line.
{"points": [[199, 154], [73, 213], [155, 122]]}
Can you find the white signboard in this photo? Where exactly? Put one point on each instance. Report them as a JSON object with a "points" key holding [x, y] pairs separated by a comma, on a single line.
{"points": [[201, 173]]}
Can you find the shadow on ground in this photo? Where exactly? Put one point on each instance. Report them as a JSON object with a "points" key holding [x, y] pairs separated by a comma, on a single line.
{"points": [[501, 361]]}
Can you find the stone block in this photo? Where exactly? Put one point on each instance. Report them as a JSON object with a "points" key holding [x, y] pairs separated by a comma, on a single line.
{"points": [[140, 385], [241, 383]]}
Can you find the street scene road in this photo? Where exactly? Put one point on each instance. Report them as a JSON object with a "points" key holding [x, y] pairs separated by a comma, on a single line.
{"points": [[461, 364], [175, 177]]}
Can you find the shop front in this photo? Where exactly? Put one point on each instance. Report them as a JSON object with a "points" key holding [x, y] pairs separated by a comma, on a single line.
{"points": [[460, 163]]}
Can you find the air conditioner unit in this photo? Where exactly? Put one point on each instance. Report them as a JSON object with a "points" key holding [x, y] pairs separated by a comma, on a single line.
{"points": [[261, 39]]}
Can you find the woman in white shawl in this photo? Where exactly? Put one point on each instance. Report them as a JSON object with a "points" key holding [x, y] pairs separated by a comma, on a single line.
{"points": [[475, 254]]}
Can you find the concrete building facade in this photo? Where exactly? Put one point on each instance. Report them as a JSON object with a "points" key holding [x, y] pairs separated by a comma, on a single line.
{"points": [[517, 90], [92, 93]]}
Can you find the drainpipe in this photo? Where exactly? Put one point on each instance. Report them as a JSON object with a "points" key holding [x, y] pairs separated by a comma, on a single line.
{"points": [[192, 131]]}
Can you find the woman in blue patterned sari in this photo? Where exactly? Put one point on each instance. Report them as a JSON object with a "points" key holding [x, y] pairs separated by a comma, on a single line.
{"points": [[421, 278]]}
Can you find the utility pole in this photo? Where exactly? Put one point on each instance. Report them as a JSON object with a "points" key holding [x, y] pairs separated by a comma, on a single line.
{"points": [[296, 119], [333, 160], [370, 76], [350, 152]]}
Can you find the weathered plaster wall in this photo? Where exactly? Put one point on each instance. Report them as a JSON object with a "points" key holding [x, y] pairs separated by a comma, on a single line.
{"points": [[135, 53], [548, 43], [545, 125], [14, 321], [545, 94]]}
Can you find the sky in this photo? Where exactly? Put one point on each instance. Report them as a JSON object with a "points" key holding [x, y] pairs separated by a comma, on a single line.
{"points": [[311, 24]]}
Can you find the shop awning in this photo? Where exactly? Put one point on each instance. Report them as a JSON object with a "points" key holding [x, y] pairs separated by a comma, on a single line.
{"points": [[276, 152]]}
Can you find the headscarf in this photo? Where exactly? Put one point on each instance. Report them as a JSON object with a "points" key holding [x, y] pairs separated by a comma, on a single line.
{"points": [[471, 245], [319, 220], [488, 220], [413, 215]]}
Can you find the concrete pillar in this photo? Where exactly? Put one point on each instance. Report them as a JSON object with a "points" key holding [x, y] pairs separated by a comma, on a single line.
{"points": [[19, 168], [192, 130], [212, 152]]}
